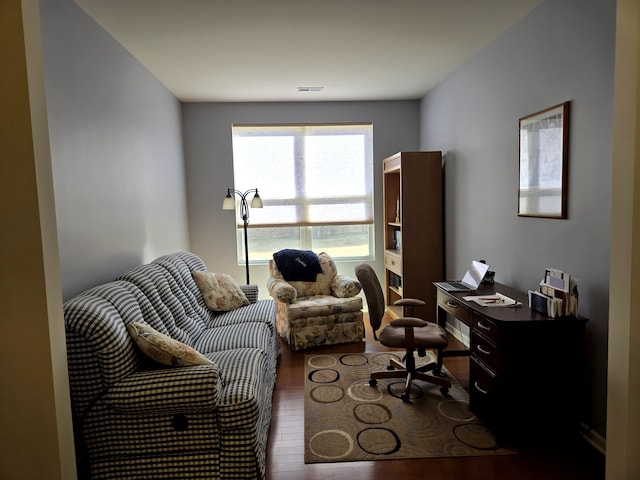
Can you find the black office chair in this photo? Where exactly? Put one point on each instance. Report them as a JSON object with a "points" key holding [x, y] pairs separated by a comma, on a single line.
{"points": [[409, 333]]}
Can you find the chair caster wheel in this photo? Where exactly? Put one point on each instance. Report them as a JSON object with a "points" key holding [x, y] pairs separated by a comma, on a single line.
{"points": [[373, 382], [405, 397], [444, 390]]}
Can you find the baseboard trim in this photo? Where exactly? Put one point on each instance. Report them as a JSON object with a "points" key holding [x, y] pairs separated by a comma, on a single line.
{"points": [[593, 438], [457, 334]]}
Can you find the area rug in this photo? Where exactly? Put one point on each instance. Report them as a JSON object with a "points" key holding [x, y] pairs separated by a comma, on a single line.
{"points": [[345, 419]]}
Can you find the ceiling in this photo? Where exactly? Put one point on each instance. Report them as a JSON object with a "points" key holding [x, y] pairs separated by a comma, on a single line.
{"points": [[263, 50]]}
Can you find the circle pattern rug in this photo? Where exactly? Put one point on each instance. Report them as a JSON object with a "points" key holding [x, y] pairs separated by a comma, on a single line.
{"points": [[346, 419]]}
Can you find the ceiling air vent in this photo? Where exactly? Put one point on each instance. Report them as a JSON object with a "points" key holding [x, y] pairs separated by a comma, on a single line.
{"points": [[310, 89]]}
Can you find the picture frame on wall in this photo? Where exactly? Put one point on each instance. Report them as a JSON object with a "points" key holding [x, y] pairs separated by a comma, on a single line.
{"points": [[543, 171]]}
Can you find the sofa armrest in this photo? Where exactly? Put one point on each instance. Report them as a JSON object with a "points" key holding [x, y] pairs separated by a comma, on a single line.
{"points": [[250, 291], [281, 290], [167, 391], [344, 286]]}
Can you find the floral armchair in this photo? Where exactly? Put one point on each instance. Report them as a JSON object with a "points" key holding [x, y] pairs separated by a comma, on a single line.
{"points": [[326, 311]]}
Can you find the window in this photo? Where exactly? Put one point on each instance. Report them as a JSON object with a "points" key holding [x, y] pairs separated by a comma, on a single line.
{"points": [[316, 183]]}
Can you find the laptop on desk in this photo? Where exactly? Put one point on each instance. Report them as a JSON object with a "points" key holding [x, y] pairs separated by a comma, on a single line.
{"points": [[470, 281]]}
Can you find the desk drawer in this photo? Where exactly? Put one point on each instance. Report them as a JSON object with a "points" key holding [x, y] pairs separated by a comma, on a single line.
{"points": [[453, 307], [483, 392], [393, 262], [485, 350], [485, 326]]}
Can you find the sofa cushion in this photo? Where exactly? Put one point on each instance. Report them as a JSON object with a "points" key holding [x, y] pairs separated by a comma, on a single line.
{"points": [[221, 293], [164, 349], [231, 337], [166, 304]]}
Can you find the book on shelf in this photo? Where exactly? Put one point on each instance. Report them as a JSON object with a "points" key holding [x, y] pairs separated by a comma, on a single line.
{"points": [[397, 240]]}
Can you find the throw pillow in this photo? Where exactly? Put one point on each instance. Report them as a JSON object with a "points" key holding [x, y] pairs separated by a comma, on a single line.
{"points": [[221, 293], [164, 349]]}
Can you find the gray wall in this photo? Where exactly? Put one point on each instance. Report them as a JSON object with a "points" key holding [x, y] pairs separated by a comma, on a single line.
{"points": [[116, 149], [209, 165], [562, 51]]}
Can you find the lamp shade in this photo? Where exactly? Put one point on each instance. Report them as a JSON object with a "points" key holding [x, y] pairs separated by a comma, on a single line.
{"points": [[256, 202], [229, 203]]}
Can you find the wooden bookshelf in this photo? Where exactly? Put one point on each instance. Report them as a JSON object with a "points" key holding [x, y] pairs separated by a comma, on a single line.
{"points": [[413, 223]]}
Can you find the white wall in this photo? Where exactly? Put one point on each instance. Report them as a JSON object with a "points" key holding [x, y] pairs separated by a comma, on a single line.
{"points": [[209, 165], [562, 51], [116, 149]]}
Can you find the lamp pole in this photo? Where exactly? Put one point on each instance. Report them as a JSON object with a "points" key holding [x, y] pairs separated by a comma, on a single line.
{"points": [[230, 204]]}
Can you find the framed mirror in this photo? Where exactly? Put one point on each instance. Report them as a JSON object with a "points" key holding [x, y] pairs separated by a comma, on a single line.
{"points": [[544, 151]]}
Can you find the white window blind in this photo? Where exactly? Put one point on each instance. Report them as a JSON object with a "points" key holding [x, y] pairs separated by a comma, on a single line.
{"points": [[307, 175]]}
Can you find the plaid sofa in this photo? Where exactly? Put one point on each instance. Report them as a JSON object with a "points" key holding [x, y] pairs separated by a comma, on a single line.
{"points": [[134, 419]]}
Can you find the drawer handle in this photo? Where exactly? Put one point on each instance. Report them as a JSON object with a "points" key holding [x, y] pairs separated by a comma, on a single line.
{"points": [[484, 392], [483, 326], [452, 305], [482, 350]]}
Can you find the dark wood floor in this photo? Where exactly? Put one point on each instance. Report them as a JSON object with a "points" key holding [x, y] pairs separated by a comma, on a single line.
{"points": [[285, 455]]}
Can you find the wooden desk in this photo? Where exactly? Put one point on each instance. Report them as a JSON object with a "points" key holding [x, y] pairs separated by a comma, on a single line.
{"points": [[525, 369]]}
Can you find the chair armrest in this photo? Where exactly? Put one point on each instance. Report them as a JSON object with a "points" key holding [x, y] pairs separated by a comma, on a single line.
{"points": [[281, 290], [166, 391], [250, 291], [408, 322], [344, 286], [407, 305], [409, 302]]}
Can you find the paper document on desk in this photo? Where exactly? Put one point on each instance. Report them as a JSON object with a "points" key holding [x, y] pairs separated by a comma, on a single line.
{"points": [[493, 300]]}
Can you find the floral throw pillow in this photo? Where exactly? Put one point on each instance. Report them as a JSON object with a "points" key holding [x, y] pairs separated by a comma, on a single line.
{"points": [[221, 293], [164, 349]]}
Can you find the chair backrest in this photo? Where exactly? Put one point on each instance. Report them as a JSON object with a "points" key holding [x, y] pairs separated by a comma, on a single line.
{"points": [[373, 293], [322, 285]]}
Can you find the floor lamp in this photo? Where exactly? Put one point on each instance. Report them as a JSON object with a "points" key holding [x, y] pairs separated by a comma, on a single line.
{"points": [[230, 204]]}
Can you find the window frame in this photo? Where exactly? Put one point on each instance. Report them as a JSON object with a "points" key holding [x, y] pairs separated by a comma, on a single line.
{"points": [[305, 228]]}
